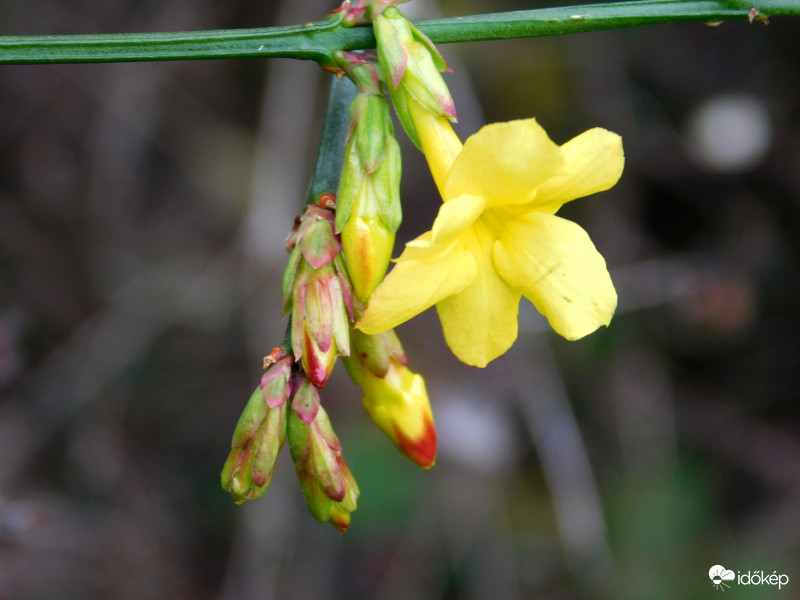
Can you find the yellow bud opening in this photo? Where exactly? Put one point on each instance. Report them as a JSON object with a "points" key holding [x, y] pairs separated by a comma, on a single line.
{"points": [[367, 245], [439, 141], [399, 406]]}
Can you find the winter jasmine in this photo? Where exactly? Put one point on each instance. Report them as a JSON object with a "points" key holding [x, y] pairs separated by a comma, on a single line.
{"points": [[497, 238]]}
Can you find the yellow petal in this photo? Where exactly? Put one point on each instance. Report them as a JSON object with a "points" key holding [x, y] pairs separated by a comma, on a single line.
{"points": [[414, 285], [480, 323], [554, 264], [454, 217], [593, 163], [419, 248], [504, 163]]}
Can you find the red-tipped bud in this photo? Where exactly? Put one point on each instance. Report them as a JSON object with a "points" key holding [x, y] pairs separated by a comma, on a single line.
{"points": [[317, 292], [363, 12], [398, 404], [394, 397], [328, 486]]}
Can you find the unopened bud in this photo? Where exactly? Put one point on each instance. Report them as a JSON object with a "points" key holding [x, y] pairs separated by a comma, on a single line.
{"points": [[371, 124], [368, 210], [398, 404], [274, 382], [411, 65], [258, 437], [328, 486], [305, 399], [362, 12], [368, 246], [317, 291]]}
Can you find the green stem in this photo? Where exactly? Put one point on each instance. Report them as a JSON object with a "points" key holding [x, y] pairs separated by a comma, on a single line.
{"points": [[328, 168], [319, 40], [596, 17], [311, 41]]}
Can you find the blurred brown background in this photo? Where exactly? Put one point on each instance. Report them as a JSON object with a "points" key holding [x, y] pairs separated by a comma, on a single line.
{"points": [[143, 209]]}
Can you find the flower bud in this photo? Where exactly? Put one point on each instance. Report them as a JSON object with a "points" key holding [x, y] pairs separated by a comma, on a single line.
{"points": [[368, 210], [394, 397], [259, 436], [328, 486], [317, 292], [398, 404], [411, 66]]}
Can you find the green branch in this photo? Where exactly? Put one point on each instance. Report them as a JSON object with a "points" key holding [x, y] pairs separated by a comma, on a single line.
{"points": [[319, 40], [328, 167]]}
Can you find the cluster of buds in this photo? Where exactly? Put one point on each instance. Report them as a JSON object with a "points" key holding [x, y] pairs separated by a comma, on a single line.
{"points": [[287, 406], [368, 209], [338, 250], [394, 396], [317, 292], [369, 205]]}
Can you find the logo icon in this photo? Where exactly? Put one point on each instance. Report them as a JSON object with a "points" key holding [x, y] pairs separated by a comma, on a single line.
{"points": [[719, 575]]}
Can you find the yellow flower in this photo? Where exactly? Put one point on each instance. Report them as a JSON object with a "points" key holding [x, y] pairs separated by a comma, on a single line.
{"points": [[496, 238]]}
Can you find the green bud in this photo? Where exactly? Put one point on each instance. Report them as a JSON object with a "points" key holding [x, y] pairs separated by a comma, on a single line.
{"points": [[372, 159], [317, 292], [236, 477], [368, 210], [370, 130], [250, 420], [411, 67], [258, 438], [289, 276], [386, 185], [273, 435], [393, 35], [314, 458], [328, 486]]}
